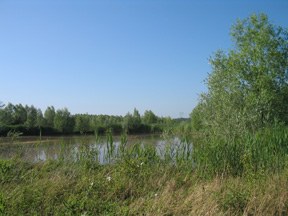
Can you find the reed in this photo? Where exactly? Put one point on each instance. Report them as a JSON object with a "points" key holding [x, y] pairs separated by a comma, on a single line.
{"points": [[263, 151], [212, 175]]}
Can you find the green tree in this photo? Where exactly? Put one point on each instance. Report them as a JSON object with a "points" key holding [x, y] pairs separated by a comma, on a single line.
{"points": [[149, 117], [136, 118], [127, 122], [82, 123], [197, 118], [248, 86], [40, 121], [31, 116], [6, 115], [132, 123], [19, 114], [49, 116], [63, 121], [2, 113]]}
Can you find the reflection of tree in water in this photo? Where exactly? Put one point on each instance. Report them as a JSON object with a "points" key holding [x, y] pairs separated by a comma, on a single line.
{"points": [[69, 148]]}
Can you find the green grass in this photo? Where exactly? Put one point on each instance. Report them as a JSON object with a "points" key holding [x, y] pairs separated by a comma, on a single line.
{"points": [[264, 151], [246, 176]]}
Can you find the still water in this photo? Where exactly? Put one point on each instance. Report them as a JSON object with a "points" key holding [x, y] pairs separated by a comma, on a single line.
{"points": [[33, 150]]}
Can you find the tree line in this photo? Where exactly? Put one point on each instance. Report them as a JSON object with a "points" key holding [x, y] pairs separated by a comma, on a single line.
{"points": [[30, 120]]}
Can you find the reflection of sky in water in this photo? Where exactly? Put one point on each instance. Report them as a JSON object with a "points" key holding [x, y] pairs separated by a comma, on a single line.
{"points": [[41, 156], [75, 148]]}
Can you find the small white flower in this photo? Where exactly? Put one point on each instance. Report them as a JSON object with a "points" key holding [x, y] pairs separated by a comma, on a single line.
{"points": [[155, 194], [141, 163], [92, 183], [109, 178]]}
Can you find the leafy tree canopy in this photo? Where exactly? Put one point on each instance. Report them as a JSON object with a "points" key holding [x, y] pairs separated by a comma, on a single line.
{"points": [[248, 85]]}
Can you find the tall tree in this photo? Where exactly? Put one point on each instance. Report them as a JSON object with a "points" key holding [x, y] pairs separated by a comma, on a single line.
{"points": [[6, 115], [136, 118], [40, 121], [82, 123], [1, 113], [31, 116], [19, 114], [149, 117], [63, 121], [248, 86], [49, 116], [127, 122]]}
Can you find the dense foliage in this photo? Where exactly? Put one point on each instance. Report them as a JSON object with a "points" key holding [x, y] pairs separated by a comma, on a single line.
{"points": [[31, 121], [138, 181], [248, 86], [242, 120]]}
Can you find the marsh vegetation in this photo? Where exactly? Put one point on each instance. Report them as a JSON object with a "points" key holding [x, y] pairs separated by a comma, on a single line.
{"points": [[230, 159]]}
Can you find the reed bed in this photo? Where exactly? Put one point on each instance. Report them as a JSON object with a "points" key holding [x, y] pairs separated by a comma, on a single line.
{"points": [[244, 176]]}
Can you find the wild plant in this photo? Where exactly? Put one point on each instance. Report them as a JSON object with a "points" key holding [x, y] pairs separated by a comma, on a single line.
{"points": [[13, 135], [109, 146], [123, 145]]}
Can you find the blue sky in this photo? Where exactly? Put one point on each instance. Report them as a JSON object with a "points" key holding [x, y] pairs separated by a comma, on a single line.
{"points": [[107, 57]]}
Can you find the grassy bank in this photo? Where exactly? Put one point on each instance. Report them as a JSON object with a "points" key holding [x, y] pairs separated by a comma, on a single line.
{"points": [[138, 180], [56, 188]]}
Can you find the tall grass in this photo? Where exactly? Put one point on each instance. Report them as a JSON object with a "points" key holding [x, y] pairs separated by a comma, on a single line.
{"points": [[139, 179], [264, 151]]}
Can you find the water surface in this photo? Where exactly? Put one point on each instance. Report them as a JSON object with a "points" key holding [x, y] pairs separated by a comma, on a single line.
{"points": [[33, 149]]}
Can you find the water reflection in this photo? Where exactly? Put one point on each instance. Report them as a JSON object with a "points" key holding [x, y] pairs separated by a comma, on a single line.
{"points": [[73, 148]]}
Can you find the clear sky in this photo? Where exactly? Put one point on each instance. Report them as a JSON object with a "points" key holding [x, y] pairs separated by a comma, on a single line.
{"points": [[107, 57]]}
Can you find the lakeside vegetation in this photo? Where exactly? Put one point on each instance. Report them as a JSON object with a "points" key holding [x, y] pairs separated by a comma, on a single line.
{"points": [[28, 120], [232, 159]]}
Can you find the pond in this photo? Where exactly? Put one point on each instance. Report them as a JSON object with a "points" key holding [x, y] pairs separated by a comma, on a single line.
{"points": [[32, 149]]}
